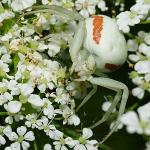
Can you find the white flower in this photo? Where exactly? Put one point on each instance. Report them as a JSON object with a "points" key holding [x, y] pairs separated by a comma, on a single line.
{"points": [[35, 100], [86, 7], [9, 119], [126, 19], [147, 39], [61, 142], [26, 88], [4, 67], [6, 37], [138, 124], [31, 121], [130, 119], [6, 15], [74, 120], [7, 131], [106, 106], [21, 138], [86, 144], [5, 98], [47, 147], [13, 106], [147, 146], [6, 58], [42, 47], [44, 2], [102, 5], [138, 92], [18, 5], [13, 87], [145, 49], [53, 49], [138, 80], [142, 67], [2, 140], [48, 109], [132, 45], [134, 58]]}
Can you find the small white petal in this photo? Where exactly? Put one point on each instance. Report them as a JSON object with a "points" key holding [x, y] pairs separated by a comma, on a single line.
{"points": [[29, 136], [25, 145], [2, 140], [47, 147], [142, 67], [138, 92], [21, 130], [13, 106], [87, 133], [35, 100]]}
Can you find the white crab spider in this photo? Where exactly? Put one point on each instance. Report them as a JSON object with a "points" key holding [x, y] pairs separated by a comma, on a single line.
{"points": [[100, 37]]}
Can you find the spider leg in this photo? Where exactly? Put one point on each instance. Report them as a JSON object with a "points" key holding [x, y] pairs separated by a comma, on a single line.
{"points": [[77, 41], [92, 92], [111, 84], [110, 110], [58, 10]]}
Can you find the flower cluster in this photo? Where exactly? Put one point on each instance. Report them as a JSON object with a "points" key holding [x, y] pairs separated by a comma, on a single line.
{"points": [[138, 123], [138, 12], [139, 49], [88, 7], [36, 90], [38, 84]]}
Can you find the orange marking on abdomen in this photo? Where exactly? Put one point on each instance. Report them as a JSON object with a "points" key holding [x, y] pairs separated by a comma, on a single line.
{"points": [[97, 28], [111, 66]]}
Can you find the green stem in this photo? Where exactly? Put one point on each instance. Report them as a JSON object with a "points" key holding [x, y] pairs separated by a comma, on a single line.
{"points": [[4, 113], [35, 146], [145, 22], [133, 107], [104, 147]]}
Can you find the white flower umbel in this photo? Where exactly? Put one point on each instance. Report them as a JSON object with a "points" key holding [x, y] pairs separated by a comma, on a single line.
{"points": [[137, 12], [21, 138], [139, 61]]}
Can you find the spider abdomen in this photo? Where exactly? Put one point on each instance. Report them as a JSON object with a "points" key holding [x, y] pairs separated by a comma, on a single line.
{"points": [[105, 42]]}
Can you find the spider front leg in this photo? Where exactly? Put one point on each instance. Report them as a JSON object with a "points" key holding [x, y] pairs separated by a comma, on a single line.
{"points": [[58, 10], [90, 94], [117, 86], [77, 41]]}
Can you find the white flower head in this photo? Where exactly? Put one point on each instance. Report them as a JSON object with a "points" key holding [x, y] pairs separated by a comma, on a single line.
{"points": [[21, 138]]}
